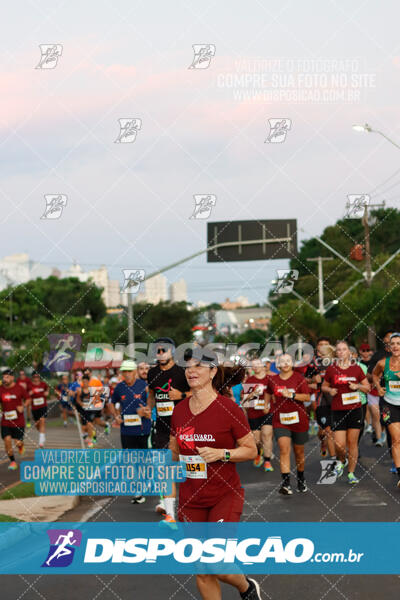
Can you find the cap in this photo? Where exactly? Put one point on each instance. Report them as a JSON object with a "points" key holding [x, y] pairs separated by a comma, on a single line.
{"points": [[165, 340], [203, 355], [364, 347], [7, 372], [128, 365]]}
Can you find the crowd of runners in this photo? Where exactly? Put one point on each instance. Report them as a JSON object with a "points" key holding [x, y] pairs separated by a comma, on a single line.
{"points": [[212, 416]]}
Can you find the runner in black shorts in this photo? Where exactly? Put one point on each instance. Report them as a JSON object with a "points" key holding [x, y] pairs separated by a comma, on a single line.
{"points": [[258, 413], [323, 411], [38, 392], [12, 398], [343, 381], [87, 416], [167, 387]]}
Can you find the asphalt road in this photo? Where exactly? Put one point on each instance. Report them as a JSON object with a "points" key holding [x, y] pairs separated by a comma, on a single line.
{"points": [[374, 499]]}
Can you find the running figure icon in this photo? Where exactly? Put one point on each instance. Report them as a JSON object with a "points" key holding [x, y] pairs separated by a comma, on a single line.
{"points": [[62, 550]]}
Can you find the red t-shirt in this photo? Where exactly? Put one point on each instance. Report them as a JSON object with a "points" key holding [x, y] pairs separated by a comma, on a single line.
{"points": [[255, 406], [37, 394], [10, 398], [218, 426], [287, 413], [340, 378], [25, 383]]}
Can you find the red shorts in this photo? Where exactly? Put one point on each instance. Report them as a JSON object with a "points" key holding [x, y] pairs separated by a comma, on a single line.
{"points": [[228, 509]]}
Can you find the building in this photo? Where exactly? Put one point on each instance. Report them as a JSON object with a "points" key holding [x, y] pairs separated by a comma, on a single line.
{"points": [[178, 291], [240, 302], [18, 268], [153, 290], [111, 292]]}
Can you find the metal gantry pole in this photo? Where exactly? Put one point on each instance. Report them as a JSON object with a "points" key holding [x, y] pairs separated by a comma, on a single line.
{"points": [[319, 260]]}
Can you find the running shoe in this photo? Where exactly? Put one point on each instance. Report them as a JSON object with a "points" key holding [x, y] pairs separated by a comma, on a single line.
{"points": [[268, 467], [160, 509], [107, 429], [368, 429], [169, 522], [138, 500], [13, 466], [352, 478], [302, 486], [90, 445], [28, 424], [258, 461], [380, 443], [393, 468], [339, 468], [286, 489], [253, 591], [21, 449], [41, 446]]}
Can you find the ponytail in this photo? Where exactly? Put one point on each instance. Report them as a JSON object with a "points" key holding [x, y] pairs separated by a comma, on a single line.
{"points": [[226, 377]]}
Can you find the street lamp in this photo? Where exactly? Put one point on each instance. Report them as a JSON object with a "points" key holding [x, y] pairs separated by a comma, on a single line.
{"points": [[368, 129]]}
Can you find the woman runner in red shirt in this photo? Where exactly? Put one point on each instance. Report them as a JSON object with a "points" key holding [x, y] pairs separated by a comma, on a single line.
{"points": [[290, 420], [209, 433]]}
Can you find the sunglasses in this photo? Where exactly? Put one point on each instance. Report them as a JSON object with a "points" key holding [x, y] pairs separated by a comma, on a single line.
{"points": [[161, 350]]}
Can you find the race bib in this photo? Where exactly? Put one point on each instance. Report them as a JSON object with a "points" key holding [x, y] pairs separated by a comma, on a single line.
{"points": [[196, 467], [165, 409], [289, 418], [132, 420], [351, 398], [38, 401], [9, 415], [394, 386], [259, 404]]}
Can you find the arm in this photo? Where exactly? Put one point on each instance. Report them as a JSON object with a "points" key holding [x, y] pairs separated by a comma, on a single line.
{"points": [[376, 377], [362, 386], [267, 402], [173, 446], [246, 450], [150, 399]]}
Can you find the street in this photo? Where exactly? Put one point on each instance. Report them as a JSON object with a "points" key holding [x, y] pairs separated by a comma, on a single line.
{"points": [[375, 498]]}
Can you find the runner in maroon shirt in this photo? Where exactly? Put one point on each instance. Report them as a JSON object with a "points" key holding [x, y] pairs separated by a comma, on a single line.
{"points": [[258, 413], [289, 390], [38, 399], [343, 381], [209, 434], [12, 398], [26, 383]]}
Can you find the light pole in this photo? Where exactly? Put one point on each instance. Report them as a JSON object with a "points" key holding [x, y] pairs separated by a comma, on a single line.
{"points": [[320, 260], [368, 129]]}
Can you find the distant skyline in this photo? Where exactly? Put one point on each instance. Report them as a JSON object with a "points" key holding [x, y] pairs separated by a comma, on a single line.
{"points": [[199, 131]]}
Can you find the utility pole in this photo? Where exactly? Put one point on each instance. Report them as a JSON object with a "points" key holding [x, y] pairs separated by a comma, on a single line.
{"points": [[131, 338], [319, 260], [368, 270]]}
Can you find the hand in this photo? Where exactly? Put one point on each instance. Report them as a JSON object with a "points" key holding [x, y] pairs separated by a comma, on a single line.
{"points": [[147, 412], [141, 411], [20, 409], [174, 394], [286, 393], [266, 410], [210, 454], [381, 391], [118, 419], [353, 386], [333, 391]]}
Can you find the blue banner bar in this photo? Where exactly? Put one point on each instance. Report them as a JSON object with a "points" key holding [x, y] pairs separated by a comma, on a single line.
{"points": [[151, 548]]}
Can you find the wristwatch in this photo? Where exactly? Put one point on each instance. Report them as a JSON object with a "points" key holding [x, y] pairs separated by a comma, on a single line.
{"points": [[293, 395], [227, 456], [183, 395]]}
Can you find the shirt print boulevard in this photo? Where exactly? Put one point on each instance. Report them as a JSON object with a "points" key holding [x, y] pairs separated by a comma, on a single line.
{"points": [[187, 438]]}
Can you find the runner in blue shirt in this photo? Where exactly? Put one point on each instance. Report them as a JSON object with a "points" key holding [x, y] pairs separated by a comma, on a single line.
{"points": [[131, 412]]}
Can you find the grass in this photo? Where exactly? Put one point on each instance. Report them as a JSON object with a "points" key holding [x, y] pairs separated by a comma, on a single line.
{"points": [[7, 519], [21, 490]]}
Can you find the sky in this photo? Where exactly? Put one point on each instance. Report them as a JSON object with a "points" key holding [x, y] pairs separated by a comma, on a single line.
{"points": [[322, 65]]}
